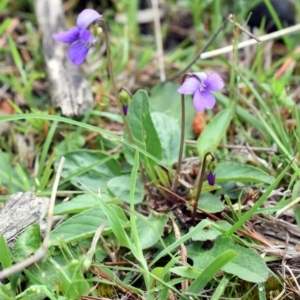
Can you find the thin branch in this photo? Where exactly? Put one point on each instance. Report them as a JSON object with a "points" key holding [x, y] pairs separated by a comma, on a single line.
{"points": [[287, 207], [263, 38], [233, 21], [158, 37]]}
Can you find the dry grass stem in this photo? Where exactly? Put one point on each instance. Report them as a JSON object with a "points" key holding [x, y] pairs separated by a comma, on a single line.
{"points": [[263, 38]]}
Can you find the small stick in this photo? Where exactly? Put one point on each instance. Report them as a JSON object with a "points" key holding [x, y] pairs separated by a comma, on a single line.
{"points": [[267, 37], [239, 147], [263, 38], [158, 37], [287, 207], [183, 254], [232, 20], [95, 240]]}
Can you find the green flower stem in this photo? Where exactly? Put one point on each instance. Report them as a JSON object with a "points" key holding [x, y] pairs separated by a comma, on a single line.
{"points": [[116, 92], [125, 89], [199, 183], [114, 86], [177, 174]]}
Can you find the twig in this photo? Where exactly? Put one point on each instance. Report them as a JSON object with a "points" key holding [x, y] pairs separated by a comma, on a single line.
{"points": [[293, 276], [239, 147], [158, 37], [41, 252], [287, 207], [97, 236], [183, 254], [232, 20], [263, 38]]}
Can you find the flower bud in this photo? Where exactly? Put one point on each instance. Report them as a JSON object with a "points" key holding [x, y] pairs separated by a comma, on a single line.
{"points": [[211, 178]]}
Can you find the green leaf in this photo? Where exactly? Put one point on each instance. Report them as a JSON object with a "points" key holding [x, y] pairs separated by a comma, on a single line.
{"points": [[6, 22], [117, 224], [150, 229], [72, 282], [169, 134], [166, 99], [209, 272], [27, 243], [120, 187], [3, 4], [44, 272], [233, 171], [8, 175], [71, 142], [204, 223], [80, 203], [38, 116], [248, 265], [214, 132], [5, 260], [85, 224], [92, 168], [142, 128], [210, 203], [247, 215], [17, 60], [186, 271], [210, 232]]}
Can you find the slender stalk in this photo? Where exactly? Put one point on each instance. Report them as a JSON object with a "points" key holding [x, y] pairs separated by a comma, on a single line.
{"points": [[116, 92], [199, 183], [177, 174], [124, 88], [112, 78]]}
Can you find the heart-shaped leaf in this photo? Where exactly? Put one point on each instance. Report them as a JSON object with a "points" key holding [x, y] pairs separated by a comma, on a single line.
{"points": [[169, 135], [150, 229], [120, 187], [233, 171], [142, 128], [91, 168], [248, 265]]}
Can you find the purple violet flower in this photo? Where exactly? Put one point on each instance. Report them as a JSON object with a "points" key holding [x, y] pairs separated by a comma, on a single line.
{"points": [[125, 109], [211, 178], [200, 85], [79, 37]]}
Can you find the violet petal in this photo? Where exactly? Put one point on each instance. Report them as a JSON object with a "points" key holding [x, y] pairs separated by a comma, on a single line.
{"points": [[67, 37], [208, 99], [197, 100], [189, 86], [211, 178], [87, 17], [125, 109], [214, 82], [201, 75], [78, 52], [86, 36]]}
